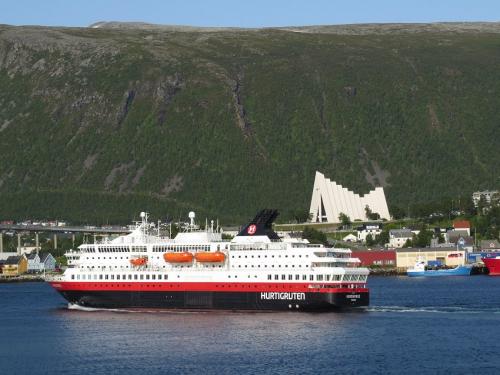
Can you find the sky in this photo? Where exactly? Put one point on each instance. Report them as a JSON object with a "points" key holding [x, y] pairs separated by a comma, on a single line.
{"points": [[244, 13]]}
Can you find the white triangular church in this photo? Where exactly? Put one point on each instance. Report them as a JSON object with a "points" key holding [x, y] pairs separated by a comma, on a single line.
{"points": [[329, 199]]}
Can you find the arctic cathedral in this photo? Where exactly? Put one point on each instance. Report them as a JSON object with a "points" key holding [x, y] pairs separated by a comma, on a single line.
{"points": [[330, 199]]}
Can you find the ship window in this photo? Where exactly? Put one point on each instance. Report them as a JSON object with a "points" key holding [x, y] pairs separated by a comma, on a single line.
{"points": [[135, 277], [100, 277], [319, 277], [72, 277], [147, 277], [112, 277], [117, 277], [304, 277], [78, 277], [311, 277], [297, 277], [269, 277], [327, 277], [153, 277], [290, 277], [276, 277], [142, 277], [106, 277], [283, 277]]}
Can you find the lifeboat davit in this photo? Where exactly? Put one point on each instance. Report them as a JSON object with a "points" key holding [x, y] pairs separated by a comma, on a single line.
{"points": [[139, 261], [184, 257], [206, 257]]}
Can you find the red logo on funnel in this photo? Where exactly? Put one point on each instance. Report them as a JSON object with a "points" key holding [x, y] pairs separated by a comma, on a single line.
{"points": [[252, 229]]}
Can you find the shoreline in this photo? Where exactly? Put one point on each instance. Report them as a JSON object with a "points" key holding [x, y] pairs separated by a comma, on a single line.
{"points": [[21, 279]]}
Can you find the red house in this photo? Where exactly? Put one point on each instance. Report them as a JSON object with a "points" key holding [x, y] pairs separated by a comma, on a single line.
{"points": [[462, 225], [376, 257]]}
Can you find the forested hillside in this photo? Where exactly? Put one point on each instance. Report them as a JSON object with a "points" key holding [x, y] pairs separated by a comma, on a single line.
{"points": [[97, 124]]}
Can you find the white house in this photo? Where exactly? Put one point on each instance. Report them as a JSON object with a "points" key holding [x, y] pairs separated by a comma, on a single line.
{"points": [[365, 230], [398, 237], [350, 238], [34, 262], [39, 262], [48, 262]]}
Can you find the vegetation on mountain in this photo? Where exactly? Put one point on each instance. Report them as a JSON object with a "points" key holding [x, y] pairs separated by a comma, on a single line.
{"points": [[98, 124]]}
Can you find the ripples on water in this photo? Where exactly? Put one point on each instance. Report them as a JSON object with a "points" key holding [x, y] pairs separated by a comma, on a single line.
{"points": [[449, 325]]}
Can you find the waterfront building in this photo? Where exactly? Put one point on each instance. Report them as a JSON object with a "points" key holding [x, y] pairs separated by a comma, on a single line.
{"points": [[33, 262], [398, 237], [489, 245], [330, 199], [47, 262], [2, 262], [451, 257], [15, 265], [381, 258]]}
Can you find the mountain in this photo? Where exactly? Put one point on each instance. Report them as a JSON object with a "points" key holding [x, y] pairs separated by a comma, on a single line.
{"points": [[99, 123]]}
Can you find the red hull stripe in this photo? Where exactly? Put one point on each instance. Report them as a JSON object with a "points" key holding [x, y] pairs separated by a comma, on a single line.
{"points": [[205, 287]]}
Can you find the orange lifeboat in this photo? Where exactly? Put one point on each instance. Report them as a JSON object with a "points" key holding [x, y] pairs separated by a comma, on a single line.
{"points": [[184, 257], [139, 261], [206, 257]]}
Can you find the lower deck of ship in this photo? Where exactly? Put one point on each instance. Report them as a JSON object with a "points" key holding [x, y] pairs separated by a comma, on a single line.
{"points": [[218, 300]]}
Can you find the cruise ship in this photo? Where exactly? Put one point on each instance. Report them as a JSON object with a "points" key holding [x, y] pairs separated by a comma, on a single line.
{"points": [[198, 270]]}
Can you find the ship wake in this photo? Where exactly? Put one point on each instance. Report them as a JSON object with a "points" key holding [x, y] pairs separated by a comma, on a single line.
{"points": [[435, 309]]}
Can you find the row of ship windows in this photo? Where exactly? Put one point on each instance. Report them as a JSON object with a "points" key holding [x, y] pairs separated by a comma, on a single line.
{"points": [[120, 277], [361, 278], [126, 267], [297, 277], [213, 266]]}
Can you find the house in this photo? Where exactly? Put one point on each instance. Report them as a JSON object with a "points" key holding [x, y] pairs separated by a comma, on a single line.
{"points": [[376, 257], [33, 262], [487, 195], [15, 265], [463, 225], [47, 262], [350, 238], [398, 237], [366, 229], [489, 245], [406, 258], [461, 240], [2, 262]]}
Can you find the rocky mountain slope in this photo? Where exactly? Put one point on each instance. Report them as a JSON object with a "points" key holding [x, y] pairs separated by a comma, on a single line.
{"points": [[99, 123]]}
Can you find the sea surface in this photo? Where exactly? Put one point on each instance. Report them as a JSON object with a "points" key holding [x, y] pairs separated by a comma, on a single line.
{"points": [[419, 325]]}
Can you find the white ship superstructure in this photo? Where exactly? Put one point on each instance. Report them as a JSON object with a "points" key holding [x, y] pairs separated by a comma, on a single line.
{"points": [[197, 269]]}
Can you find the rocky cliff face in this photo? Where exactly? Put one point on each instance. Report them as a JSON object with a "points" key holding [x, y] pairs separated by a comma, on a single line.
{"points": [[98, 123]]}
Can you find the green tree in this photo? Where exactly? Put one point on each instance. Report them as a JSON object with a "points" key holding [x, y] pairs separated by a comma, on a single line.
{"points": [[345, 220], [408, 243], [370, 214], [314, 236], [370, 241], [383, 237]]}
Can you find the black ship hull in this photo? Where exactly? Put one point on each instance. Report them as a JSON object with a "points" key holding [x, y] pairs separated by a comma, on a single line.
{"points": [[217, 300]]}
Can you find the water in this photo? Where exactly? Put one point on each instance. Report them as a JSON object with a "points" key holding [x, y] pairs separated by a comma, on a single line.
{"points": [[434, 325]]}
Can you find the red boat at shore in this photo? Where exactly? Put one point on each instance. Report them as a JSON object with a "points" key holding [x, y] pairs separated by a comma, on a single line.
{"points": [[493, 265]]}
